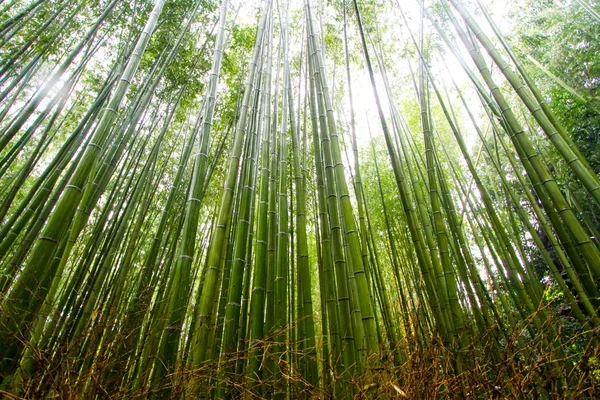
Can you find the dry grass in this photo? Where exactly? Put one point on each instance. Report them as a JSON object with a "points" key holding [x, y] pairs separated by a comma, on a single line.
{"points": [[561, 360]]}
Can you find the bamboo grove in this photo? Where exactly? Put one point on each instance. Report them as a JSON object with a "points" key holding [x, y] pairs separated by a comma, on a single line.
{"points": [[188, 208]]}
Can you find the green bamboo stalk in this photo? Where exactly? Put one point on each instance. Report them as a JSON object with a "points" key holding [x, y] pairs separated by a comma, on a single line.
{"points": [[534, 165], [205, 307], [337, 316], [178, 298], [425, 262], [28, 110], [259, 279], [557, 135], [29, 289], [304, 278], [281, 283], [350, 229]]}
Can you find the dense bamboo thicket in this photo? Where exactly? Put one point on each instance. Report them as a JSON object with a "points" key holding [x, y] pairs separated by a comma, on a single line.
{"points": [[299, 199]]}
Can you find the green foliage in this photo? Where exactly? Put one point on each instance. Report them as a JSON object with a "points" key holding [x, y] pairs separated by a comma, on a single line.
{"points": [[566, 39]]}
